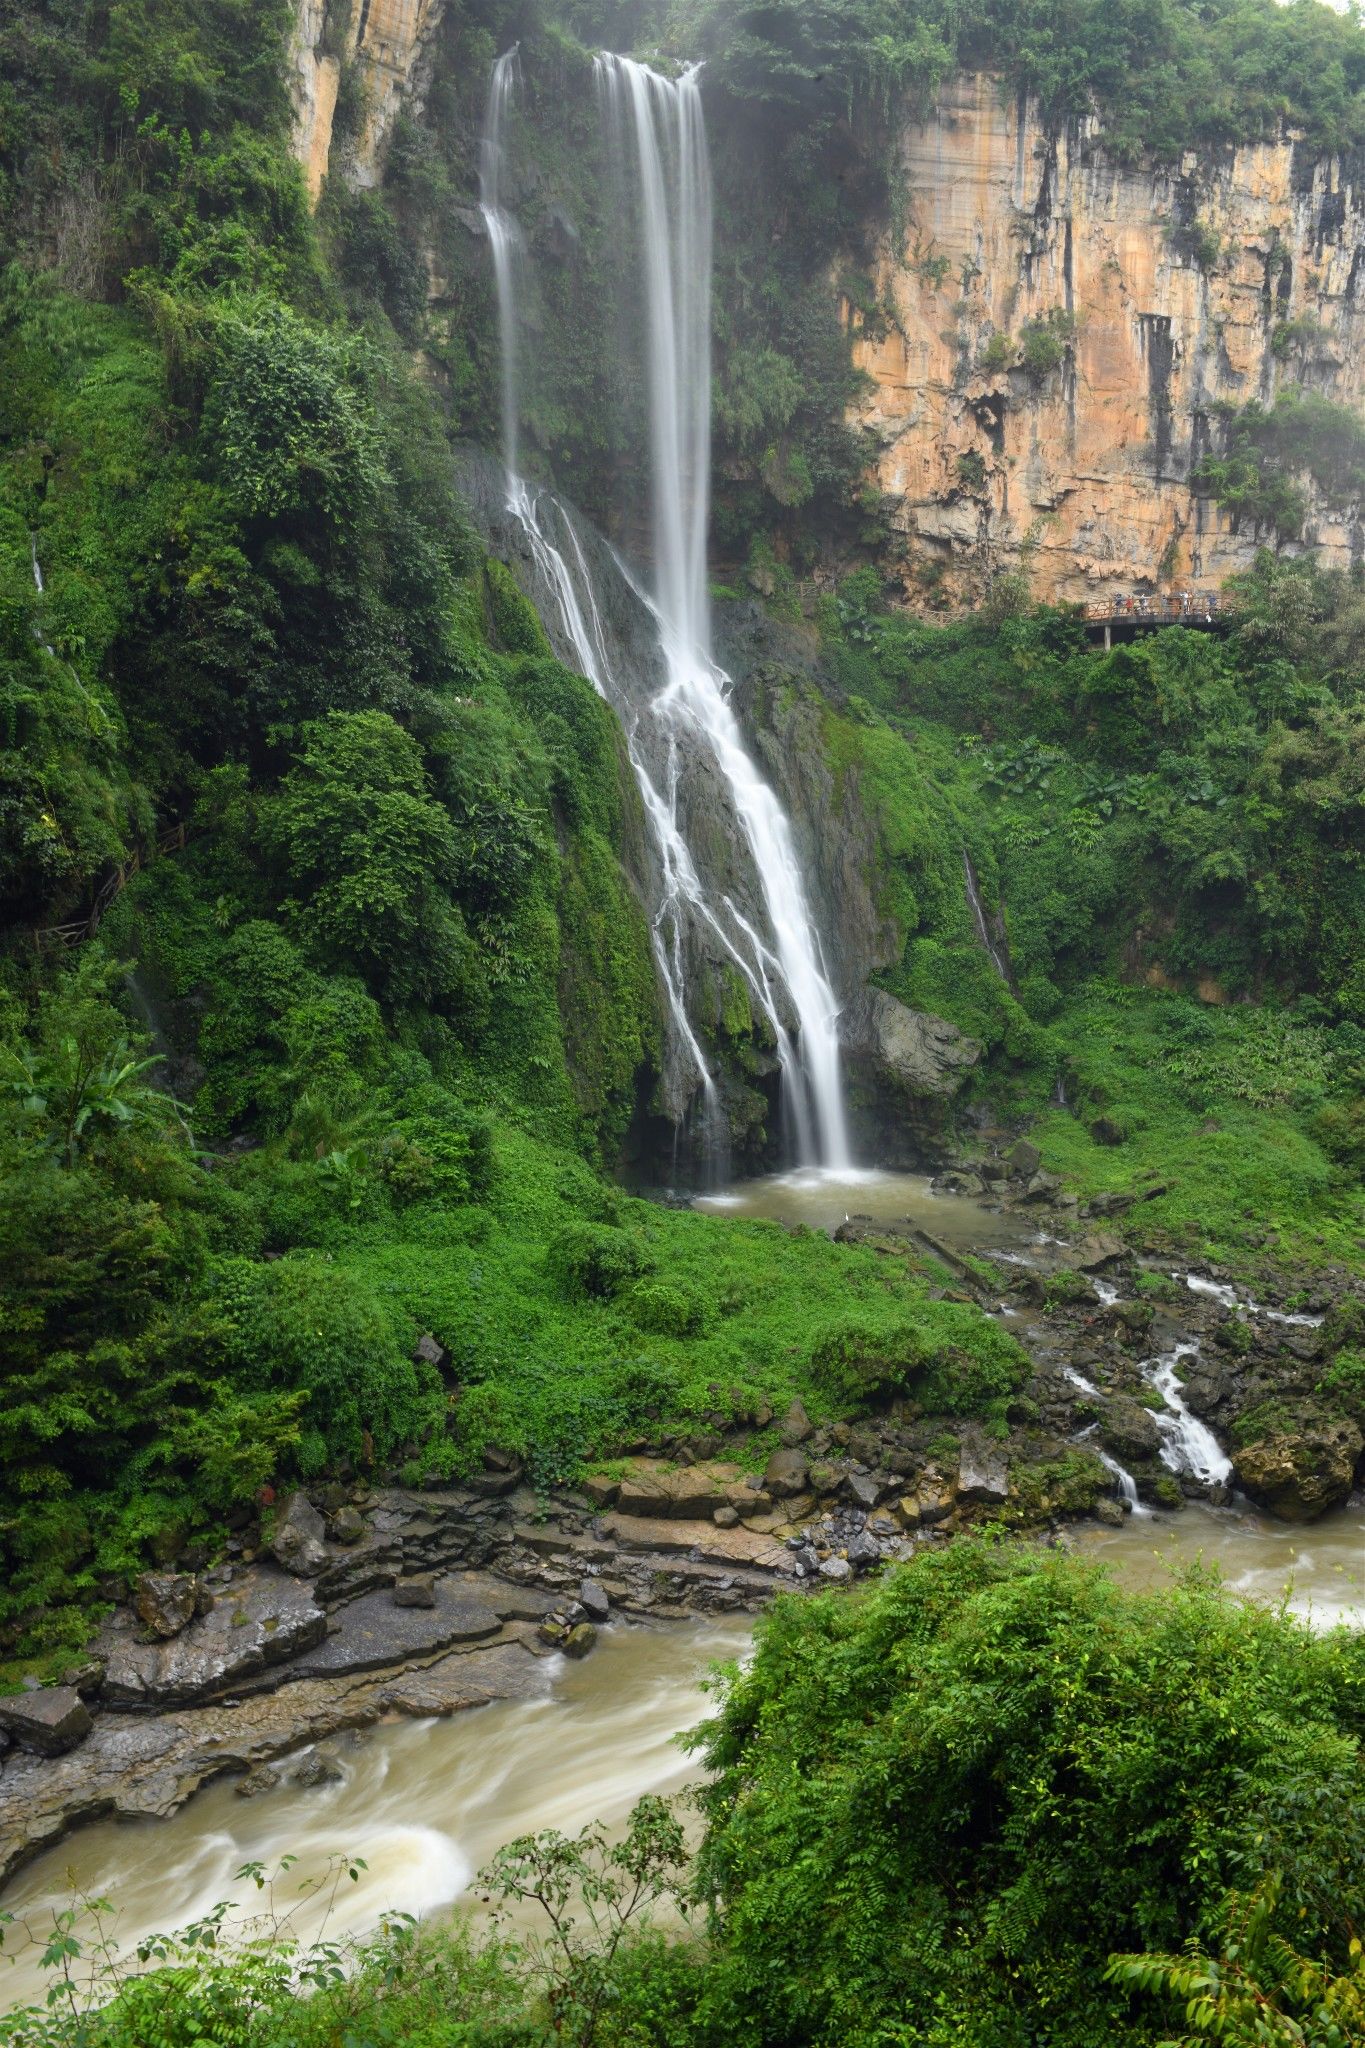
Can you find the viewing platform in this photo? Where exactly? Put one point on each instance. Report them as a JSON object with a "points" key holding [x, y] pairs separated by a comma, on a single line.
{"points": [[1117, 619]]}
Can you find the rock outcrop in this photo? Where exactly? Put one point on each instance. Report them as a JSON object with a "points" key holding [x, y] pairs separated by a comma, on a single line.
{"points": [[921, 1054], [385, 44], [1170, 289]]}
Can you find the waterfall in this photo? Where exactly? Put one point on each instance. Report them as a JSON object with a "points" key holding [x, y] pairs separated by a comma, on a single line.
{"points": [[983, 930], [687, 728]]}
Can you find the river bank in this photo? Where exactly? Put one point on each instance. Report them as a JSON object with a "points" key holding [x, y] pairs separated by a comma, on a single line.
{"points": [[1151, 1388]]}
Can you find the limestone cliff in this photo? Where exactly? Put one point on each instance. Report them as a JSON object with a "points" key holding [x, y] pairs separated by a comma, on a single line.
{"points": [[1163, 290], [384, 41]]}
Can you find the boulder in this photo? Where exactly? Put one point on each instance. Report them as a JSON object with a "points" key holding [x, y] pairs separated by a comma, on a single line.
{"points": [[937, 1497], [581, 1638], [836, 1568], [725, 1518], [1128, 1431], [47, 1722], [297, 1540], [601, 1491], [165, 1602], [319, 1767], [1300, 1471], [795, 1425], [1096, 1251], [786, 1474], [983, 1475], [864, 1551], [595, 1600], [347, 1525], [690, 1495], [261, 1619], [1023, 1159], [919, 1054], [418, 1590], [862, 1489], [430, 1351], [255, 1782]]}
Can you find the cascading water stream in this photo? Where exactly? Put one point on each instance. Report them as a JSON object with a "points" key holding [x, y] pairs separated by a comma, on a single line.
{"points": [[657, 128]]}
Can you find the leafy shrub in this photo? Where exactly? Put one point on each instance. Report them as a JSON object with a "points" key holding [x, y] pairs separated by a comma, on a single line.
{"points": [[862, 1364], [316, 1328], [933, 1809], [665, 1311], [595, 1259]]}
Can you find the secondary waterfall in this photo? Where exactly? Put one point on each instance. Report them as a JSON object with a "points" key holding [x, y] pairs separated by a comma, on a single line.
{"points": [[686, 728]]}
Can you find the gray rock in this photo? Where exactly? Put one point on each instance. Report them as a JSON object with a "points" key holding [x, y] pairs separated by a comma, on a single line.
{"points": [[862, 1489], [836, 1568], [1129, 1431], [1023, 1159], [429, 1351], [257, 1781], [1111, 1513], [319, 1767], [373, 1631], [347, 1526], [165, 1602], [261, 1619], [786, 1473], [297, 1540], [419, 1590], [595, 1599], [982, 1475], [920, 1054], [47, 1722], [864, 1551], [795, 1425], [725, 1518]]}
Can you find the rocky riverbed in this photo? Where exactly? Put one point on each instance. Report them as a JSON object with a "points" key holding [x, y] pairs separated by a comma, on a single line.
{"points": [[334, 1610]]}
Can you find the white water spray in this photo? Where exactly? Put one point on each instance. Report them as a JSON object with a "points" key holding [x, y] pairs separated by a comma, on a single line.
{"points": [[657, 128]]}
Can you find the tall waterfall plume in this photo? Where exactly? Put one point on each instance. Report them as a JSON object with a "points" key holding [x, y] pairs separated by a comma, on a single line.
{"points": [[656, 133]]}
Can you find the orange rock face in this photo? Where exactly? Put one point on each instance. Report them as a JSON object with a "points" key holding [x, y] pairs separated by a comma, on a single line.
{"points": [[388, 39], [1164, 292]]}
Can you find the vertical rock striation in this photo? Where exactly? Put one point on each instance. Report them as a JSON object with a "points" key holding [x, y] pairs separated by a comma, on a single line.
{"points": [[1154, 294], [385, 40]]}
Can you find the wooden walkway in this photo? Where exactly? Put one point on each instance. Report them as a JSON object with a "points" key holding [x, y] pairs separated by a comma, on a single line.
{"points": [[109, 891]]}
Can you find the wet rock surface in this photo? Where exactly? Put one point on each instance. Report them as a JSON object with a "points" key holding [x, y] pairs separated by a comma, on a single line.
{"points": [[261, 1618]]}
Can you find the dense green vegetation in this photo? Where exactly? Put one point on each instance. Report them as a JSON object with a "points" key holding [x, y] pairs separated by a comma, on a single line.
{"points": [[936, 1813], [328, 1011], [1168, 833]]}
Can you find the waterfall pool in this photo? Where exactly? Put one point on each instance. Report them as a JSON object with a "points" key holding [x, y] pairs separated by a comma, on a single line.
{"points": [[824, 1197]]}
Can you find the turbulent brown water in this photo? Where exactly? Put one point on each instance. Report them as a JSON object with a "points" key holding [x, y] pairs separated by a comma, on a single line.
{"points": [[1318, 1571], [425, 1803]]}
